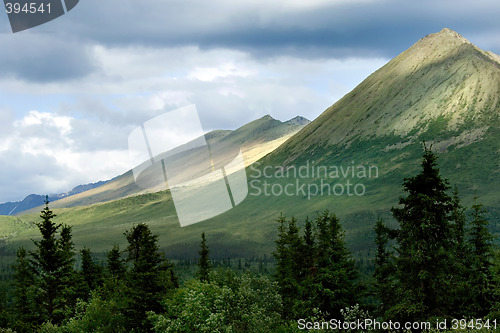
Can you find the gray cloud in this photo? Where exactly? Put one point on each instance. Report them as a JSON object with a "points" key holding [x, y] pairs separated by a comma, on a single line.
{"points": [[44, 57], [29, 174], [366, 28]]}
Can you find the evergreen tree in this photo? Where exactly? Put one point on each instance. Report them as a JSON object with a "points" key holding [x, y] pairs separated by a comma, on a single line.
{"points": [[69, 277], [285, 264], [308, 269], [299, 267], [115, 264], [309, 246], [334, 283], [495, 310], [24, 292], [52, 261], [460, 221], [384, 267], [91, 273], [461, 265], [150, 278], [424, 245], [481, 278], [204, 264]]}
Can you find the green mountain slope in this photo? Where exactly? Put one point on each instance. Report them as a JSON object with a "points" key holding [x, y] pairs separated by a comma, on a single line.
{"points": [[350, 160], [443, 90], [255, 139], [441, 76]]}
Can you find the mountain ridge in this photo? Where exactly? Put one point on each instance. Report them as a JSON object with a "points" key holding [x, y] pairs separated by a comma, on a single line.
{"points": [[265, 132], [35, 200]]}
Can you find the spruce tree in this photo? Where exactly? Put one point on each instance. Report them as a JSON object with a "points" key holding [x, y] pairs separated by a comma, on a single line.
{"points": [[91, 273], [52, 261], [24, 292], [285, 265], [298, 264], [204, 264], [384, 267], [481, 273], [150, 277], [307, 270], [334, 283], [115, 264], [424, 245], [68, 273], [461, 263]]}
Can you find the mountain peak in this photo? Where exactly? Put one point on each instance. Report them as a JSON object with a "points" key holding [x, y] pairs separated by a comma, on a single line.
{"points": [[450, 34], [299, 120], [266, 118], [444, 42], [437, 46]]}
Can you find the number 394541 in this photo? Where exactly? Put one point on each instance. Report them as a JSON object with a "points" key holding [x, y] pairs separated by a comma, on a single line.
{"points": [[27, 8]]}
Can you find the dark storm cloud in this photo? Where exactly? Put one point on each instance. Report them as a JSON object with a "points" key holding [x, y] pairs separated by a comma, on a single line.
{"points": [[361, 29], [337, 29], [43, 57]]}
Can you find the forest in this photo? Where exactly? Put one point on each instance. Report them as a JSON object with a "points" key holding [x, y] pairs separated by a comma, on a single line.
{"points": [[435, 263]]}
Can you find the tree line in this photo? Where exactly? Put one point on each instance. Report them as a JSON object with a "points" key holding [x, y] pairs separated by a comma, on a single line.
{"points": [[136, 291], [434, 261], [48, 288]]}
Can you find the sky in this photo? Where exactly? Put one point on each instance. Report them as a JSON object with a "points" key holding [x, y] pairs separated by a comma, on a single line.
{"points": [[73, 89]]}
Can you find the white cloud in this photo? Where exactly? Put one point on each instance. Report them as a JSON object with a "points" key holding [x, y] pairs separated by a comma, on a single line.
{"points": [[41, 155], [223, 71], [35, 118]]}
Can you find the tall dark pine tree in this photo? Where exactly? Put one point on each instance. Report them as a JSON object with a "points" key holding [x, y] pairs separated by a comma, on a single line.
{"points": [[24, 292], [334, 283], [286, 265], [52, 261], [384, 267], [114, 278], [460, 267], [307, 270], [204, 264], [115, 264], [91, 273], [297, 265], [481, 273], [150, 278], [424, 244], [69, 276]]}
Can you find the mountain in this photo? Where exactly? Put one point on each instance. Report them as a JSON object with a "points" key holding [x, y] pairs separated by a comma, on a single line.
{"points": [[443, 91], [255, 139], [35, 200], [443, 77], [352, 159]]}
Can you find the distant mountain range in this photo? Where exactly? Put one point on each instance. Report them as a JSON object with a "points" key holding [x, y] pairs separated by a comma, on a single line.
{"points": [[443, 91], [35, 200], [255, 138]]}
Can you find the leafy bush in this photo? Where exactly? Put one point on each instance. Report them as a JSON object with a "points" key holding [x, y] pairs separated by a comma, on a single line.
{"points": [[228, 303]]}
